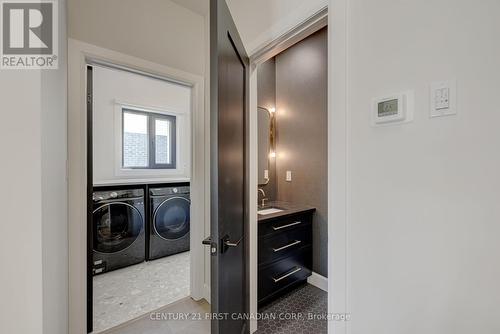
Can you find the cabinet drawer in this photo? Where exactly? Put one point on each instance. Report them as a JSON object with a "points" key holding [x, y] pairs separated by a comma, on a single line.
{"points": [[284, 224], [278, 276], [282, 244]]}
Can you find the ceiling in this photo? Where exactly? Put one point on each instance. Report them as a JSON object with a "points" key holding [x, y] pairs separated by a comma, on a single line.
{"points": [[198, 6], [261, 21]]}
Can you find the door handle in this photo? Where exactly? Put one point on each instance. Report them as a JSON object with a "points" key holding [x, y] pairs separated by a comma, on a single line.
{"points": [[227, 243]]}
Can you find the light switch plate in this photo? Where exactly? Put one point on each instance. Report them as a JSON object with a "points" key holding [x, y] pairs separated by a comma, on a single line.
{"points": [[289, 176], [443, 98]]}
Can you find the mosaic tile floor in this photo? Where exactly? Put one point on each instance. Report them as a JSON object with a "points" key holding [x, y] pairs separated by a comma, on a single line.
{"points": [[300, 303], [128, 293]]}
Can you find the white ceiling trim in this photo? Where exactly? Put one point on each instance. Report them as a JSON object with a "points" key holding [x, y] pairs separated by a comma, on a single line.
{"points": [[294, 35], [287, 23]]}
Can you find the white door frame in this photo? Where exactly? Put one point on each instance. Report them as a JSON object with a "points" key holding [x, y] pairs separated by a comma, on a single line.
{"points": [[335, 15], [338, 163], [79, 55]]}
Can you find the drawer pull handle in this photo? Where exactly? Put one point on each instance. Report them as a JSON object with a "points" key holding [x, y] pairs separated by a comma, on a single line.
{"points": [[296, 242], [285, 226], [296, 270]]}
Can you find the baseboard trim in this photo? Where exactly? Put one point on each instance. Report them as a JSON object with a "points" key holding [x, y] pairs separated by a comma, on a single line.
{"points": [[318, 281], [206, 292]]}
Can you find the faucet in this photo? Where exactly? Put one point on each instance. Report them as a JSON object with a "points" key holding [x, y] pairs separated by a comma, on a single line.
{"points": [[264, 198]]}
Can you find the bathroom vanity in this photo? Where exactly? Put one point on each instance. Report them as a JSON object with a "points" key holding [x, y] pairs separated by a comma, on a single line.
{"points": [[285, 248]]}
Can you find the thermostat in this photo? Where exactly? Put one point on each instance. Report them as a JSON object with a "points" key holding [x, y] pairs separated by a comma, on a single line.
{"points": [[392, 109]]}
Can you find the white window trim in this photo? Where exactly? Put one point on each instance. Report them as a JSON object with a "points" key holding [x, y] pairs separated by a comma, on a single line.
{"points": [[183, 135]]}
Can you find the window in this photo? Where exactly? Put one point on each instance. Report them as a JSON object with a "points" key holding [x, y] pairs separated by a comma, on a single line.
{"points": [[148, 140]]}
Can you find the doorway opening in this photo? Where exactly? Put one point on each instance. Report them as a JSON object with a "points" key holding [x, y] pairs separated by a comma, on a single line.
{"points": [[141, 240], [290, 238]]}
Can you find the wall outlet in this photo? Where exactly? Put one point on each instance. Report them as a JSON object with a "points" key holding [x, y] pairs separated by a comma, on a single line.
{"points": [[288, 176], [443, 98]]}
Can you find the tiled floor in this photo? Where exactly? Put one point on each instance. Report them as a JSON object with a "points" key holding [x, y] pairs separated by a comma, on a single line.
{"points": [[303, 302], [145, 325], [131, 292]]}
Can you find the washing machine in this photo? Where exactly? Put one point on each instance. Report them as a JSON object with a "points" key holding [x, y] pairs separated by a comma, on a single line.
{"points": [[118, 229], [169, 221]]}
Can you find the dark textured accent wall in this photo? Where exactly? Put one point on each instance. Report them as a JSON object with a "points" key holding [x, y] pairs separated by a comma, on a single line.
{"points": [[266, 95], [302, 107]]}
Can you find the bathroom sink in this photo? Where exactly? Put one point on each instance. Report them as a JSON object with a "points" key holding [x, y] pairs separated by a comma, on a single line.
{"points": [[269, 211]]}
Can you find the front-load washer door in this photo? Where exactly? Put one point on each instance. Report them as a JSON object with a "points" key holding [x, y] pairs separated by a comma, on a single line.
{"points": [[116, 227], [171, 218]]}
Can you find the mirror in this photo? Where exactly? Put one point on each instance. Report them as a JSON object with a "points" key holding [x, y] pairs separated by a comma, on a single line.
{"points": [[265, 142]]}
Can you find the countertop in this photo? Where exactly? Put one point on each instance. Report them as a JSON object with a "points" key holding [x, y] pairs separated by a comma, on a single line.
{"points": [[288, 209]]}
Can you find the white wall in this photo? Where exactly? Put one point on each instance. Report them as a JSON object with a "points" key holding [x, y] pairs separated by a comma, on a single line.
{"points": [[423, 198], [156, 30], [33, 251], [20, 177], [114, 88]]}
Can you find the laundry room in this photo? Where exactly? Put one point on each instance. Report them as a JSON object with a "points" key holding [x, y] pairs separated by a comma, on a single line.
{"points": [[139, 205]]}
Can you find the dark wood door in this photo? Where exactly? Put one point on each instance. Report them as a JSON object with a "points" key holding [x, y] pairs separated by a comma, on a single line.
{"points": [[228, 87]]}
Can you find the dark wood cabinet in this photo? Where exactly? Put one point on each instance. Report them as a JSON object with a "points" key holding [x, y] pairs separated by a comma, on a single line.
{"points": [[284, 253]]}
